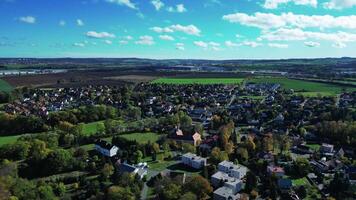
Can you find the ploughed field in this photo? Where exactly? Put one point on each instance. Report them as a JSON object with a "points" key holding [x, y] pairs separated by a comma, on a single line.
{"points": [[204, 81]]}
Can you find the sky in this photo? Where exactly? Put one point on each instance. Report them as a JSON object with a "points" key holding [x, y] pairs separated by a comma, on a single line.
{"points": [[178, 29]]}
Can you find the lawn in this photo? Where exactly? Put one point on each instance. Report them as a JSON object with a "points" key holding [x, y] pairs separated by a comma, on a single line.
{"points": [[204, 81], [300, 181], [4, 86], [91, 128], [8, 139], [142, 138], [314, 147], [307, 87]]}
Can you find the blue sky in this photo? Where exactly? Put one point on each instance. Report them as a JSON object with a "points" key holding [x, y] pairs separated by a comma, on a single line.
{"points": [[206, 29]]}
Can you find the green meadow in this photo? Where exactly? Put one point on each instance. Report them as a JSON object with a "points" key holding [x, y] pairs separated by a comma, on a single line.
{"points": [[306, 88], [4, 86]]}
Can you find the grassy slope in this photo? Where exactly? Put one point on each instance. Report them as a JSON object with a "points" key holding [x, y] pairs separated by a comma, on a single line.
{"points": [[198, 80], [91, 128], [4, 86]]}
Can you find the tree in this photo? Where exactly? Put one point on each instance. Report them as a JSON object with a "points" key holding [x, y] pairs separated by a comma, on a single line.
{"points": [[251, 181], [100, 128], [107, 171], [118, 193], [58, 160], [229, 148], [45, 192], [188, 148], [38, 150], [137, 156], [217, 155], [301, 166], [188, 196], [155, 148], [199, 186], [171, 191], [242, 153], [339, 185]]}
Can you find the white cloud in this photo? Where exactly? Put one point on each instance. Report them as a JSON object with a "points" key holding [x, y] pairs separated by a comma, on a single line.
{"points": [[250, 44], [270, 20], [339, 4], [127, 3], [80, 22], [311, 44], [208, 45], [278, 45], [214, 44], [166, 37], [108, 41], [161, 30], [62, 23], [123, 42], [28, 19], [94, 34], [190, 29], [230, 44], [339, 45], [201, 44], [284, 34], [273, 4], [157, 4], [180, 46], [179, 8], [128, 37], [79, 44], [145, 40]]}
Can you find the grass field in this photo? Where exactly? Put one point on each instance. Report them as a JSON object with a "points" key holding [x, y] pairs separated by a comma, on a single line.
{"points": [[306, 87], [299, 182], [206, 81], [8, 139], [4, 86], [91, 128], [142, 137]]}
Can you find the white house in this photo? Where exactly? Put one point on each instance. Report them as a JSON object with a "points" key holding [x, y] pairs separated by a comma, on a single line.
{"points": [[194, 161], [106, 148], [236, 171]]}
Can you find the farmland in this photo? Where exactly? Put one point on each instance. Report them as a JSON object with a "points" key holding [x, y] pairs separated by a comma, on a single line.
{"points": [[185, 81], [307, 88], [4, 86]]}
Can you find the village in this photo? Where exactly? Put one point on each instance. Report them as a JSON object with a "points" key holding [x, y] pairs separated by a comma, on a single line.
{"points": [[244, 141]]}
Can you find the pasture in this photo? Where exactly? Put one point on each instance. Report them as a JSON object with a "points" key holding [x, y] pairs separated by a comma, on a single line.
{"points": [[4, 86], [8, 139], [306, 88], [202, 81]]}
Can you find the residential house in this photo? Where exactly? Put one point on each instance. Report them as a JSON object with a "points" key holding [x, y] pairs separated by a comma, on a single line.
{"points": [[236, 171], [140, 169], [277, 171], [194, 161], [106, 148], [181, 137]]}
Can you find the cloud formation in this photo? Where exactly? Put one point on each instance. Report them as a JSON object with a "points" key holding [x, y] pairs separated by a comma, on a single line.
{"points": [[339, 4], [127, 3], [158, 4], [28, 19], [94, 34], [145, 40], [190, 29], [273, 4]]}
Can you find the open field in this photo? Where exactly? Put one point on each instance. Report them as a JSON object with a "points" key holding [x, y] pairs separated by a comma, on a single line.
{"points": [[91, 128], [142, 137], [308, 88], [299, 182], [183, 81], [4, 86], [8, 139], [133, 78]]}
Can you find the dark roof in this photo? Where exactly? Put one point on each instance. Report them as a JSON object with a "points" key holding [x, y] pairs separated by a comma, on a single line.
{"points": [[104, 144], [124, 167]]}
